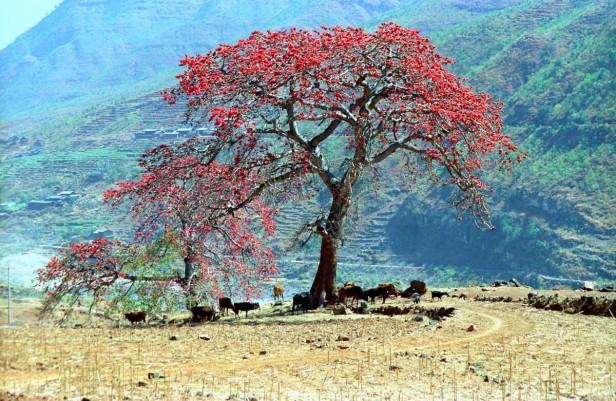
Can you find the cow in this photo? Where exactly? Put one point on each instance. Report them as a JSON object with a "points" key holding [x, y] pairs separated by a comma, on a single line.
{"points": [[278, 292], [390, 289], [383, 291], [135, 317], [350, 291], [372, 293], [301, 300], [224, 304], [202, 314], [245, 306], [439, 295]]}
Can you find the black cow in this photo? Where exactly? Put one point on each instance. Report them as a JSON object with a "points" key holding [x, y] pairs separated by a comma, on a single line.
{"points": [[439, 295], [301, 300], [245, 306], [383, 291], [135, 317]]}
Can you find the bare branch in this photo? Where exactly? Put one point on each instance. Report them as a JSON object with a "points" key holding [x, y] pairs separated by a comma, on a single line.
{"points": [[391, 149]]}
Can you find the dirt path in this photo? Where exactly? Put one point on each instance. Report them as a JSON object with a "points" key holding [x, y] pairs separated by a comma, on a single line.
{"points": [[501, 324]]}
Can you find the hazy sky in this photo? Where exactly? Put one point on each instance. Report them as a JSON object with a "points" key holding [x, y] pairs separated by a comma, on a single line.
{"points": [[17, 16]]}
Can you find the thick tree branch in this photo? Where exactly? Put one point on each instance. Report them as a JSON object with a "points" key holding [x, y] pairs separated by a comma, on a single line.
{"points": [[314, 142], [316, 159], [150, 278]]}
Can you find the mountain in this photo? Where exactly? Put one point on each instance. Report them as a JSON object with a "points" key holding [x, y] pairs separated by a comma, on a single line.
{"points": [[89, 48], [78, 86]]}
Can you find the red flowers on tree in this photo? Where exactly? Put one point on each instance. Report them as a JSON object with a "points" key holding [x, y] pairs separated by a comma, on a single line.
{"points": [[284, 102], [207, 214], [89, 267]]}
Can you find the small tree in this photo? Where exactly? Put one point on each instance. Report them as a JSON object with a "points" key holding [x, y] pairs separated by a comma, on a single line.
{"points": [[209, 212], [188, 207], [282, 101], [123, 276]]}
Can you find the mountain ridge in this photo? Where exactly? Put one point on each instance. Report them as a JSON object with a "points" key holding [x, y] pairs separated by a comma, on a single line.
{"points": [[60, 59]]}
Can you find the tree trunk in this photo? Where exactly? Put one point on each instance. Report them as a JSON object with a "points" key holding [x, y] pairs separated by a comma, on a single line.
{"points": [[325, 280], [331, 233]]}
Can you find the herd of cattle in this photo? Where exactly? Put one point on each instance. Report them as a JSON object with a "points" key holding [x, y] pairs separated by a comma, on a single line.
{"points": [[349, 292]]}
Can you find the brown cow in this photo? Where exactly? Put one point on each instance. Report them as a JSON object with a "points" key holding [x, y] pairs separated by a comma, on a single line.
{"points": [[278, 292], [390, 289], [224, 304], [417, 286], [202, 314]]}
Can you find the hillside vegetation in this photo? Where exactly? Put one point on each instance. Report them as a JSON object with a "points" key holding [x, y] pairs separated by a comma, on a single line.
{"points": [[552, 63]]}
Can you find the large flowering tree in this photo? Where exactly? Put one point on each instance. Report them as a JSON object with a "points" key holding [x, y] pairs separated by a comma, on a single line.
{"points": [[295, 107], [295, 112]]}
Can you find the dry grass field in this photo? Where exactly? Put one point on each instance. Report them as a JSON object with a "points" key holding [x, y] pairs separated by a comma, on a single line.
{"points": [[512, 353]]}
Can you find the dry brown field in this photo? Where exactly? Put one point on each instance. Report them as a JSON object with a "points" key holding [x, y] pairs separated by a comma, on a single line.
{"points": [[512, 353]]}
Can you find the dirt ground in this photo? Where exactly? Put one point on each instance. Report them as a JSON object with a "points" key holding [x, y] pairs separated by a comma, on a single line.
{"points": [[512, 352]]}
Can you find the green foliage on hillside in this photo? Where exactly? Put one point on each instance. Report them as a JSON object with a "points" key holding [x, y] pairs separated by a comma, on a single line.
{"points": [[552, 63]]}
